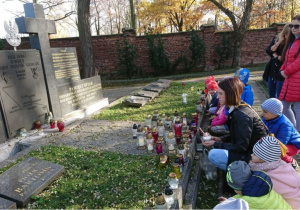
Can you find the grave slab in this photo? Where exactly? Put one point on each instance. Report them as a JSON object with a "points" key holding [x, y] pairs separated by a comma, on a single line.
{"points": [[153, 88], [146, 94], [136, 101], [164, 81], [7, 204], [161, 85], [27, 178]]}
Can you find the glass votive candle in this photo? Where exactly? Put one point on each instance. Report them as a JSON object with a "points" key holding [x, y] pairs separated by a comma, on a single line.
{"points": [[150, 143], [178, 139], [176, 170], [173, 181], [52, 123], [169, 197], [160, 202], [37, 125], [60, 125], [154, 134], [160, 128], [177, 127], [141, 143], [159, 148]]}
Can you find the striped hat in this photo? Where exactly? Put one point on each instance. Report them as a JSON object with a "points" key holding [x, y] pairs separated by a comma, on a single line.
{"points": [[273, 105], [268, 149]]}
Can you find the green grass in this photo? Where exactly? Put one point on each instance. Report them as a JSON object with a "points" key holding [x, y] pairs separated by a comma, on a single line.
{"points": [[169, 101], [264, 85], [100, 180]]}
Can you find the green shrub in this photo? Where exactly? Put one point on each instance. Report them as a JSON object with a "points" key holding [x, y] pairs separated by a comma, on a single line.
{"points": [[126, 56], [1, 44], [158, 58], [224, 51]]}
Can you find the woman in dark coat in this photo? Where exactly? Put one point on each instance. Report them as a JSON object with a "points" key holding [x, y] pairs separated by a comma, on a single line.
{"points": [[271, 74], [244, 124]]}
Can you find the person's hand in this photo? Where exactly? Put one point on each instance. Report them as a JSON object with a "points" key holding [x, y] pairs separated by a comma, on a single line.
{"points": [[283, 74], [215, 138], [208, 143]]}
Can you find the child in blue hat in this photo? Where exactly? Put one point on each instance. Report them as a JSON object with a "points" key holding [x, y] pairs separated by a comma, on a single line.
{"points": [[247, 96]]}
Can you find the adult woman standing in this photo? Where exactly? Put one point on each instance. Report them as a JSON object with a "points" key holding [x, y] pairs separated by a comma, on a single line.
{"points": [[245, 127], [290, 70], [272, 75]]}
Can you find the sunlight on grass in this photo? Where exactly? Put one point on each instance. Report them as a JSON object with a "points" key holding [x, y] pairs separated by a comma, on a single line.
{"points": [[100, 180], [168, 101]]}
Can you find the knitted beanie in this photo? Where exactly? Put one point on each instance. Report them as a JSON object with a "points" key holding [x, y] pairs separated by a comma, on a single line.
{"points": [[268, 149], [238, 173], [213, 85], [273, 105], [209, 79]]}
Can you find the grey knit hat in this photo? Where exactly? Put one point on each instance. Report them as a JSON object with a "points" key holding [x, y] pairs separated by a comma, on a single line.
{"points": [[238, 173], [273, 105], [268, 149]]}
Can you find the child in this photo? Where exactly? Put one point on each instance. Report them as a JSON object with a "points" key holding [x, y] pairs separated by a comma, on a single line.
{"points": [[247, 96], [212, 90], [206, 81], [218, 124], [254, 188], [282, 128], [286, 182]]}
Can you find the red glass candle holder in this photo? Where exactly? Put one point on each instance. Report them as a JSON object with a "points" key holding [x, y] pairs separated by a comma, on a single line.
{"points": [[37, 124], [159, 148], [52, 123], [154, 134], [178, 139], [60, 125], [177, 129]]}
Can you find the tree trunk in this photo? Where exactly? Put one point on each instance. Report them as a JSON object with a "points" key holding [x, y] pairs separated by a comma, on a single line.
{"points": [[238, 29], [132, 14], [85, 39]]}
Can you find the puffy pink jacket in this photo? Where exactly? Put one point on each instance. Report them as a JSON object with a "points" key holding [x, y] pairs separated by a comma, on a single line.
{"points": [[291, 67], [285, 179], [221, 118]]}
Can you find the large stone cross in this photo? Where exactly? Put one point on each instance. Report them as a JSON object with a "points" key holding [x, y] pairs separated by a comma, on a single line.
{"points": [[38, 28]]}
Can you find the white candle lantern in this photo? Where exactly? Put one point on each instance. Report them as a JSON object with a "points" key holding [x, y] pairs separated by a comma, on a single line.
{"points": [[171, 143], [161, 128], [141, 143], [184, 98], [150, 142]]}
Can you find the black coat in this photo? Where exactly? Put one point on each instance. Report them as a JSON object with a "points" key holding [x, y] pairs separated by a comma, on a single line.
{"points": [[273, 66], [246, 128]]}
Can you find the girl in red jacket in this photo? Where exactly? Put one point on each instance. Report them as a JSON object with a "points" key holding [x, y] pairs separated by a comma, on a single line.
{"points": [[290, 70]]}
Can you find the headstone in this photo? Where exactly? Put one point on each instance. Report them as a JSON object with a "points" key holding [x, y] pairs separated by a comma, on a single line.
{"points": [[79, 94], [65, 65], [136, 101], [23, 92], [28, 178], [38, 28], [147, 94], [7, 204]]}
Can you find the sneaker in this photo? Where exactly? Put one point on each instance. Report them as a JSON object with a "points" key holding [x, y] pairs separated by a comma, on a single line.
{"points": [[295, 165]]}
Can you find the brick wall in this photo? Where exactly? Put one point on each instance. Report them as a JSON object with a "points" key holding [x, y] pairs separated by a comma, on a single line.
{"points": [[176, 44]]}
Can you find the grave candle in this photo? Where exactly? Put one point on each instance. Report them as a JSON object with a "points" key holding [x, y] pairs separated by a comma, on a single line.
{"points": [[161, 128], [148, 121], [159, 148], [60, 125], [52, 123], [37, 125], [177, 127], [173, 181], [176, 170], [169, 195], [154, 134], [150, 143], [160, 202]]}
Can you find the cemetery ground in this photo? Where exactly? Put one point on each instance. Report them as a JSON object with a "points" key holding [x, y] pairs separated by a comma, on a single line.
{"points": [[103, 168]]}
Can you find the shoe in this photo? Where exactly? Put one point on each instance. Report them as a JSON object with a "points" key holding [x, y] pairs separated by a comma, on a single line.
{"points": [[295, 165]]}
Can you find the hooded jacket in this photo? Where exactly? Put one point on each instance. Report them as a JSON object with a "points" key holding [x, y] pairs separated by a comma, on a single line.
{"points": [[247, 94], [291, 67], [259, 194], [283, 130], [285, 179]]}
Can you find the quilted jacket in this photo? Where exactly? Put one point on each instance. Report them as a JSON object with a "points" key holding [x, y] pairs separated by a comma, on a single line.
{"points": [[291, 67], [283, 130]]}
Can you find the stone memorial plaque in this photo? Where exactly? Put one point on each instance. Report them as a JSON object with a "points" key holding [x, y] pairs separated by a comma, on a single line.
{"points": [[165, 81], [153, 88], [7, 204], [78, 94], [136, 101], [161, 85], [146, 94], [23, 90], [28, 178], [65, 65]]}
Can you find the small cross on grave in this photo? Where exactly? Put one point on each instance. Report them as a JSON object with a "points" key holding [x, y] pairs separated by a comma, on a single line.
{"points": [[38, 28]]}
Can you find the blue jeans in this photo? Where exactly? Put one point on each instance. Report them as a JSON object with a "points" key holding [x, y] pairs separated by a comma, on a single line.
{"points": [[219, 157], [274, 87]]}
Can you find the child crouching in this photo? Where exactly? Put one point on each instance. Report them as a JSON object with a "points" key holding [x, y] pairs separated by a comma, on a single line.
{"points": [[267, 157], [253, 187]]}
